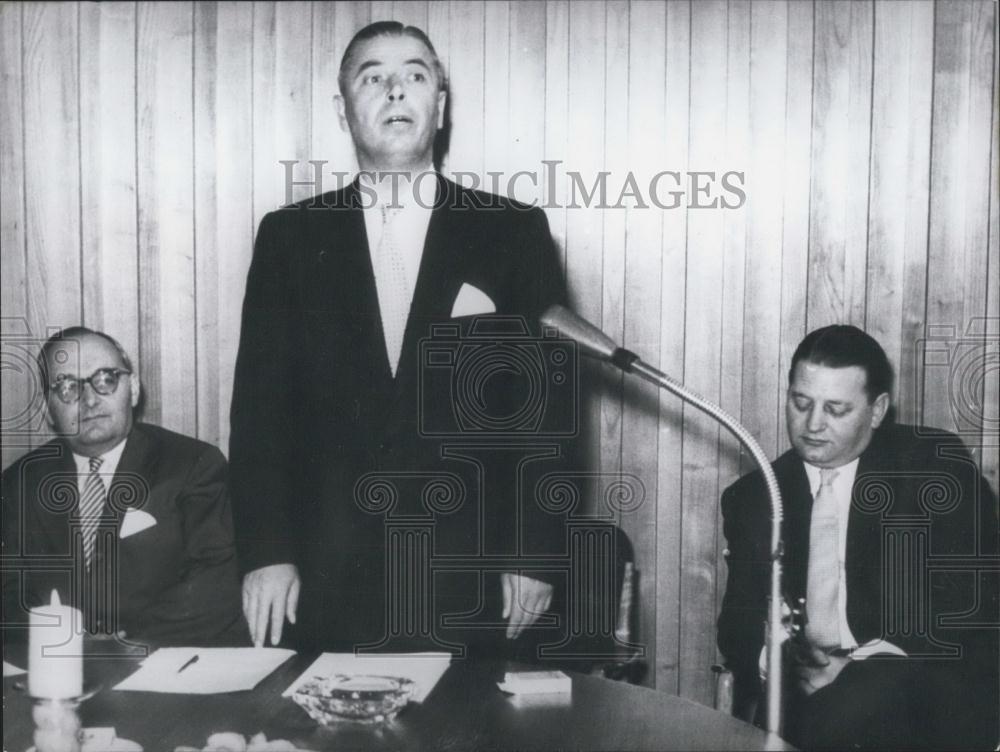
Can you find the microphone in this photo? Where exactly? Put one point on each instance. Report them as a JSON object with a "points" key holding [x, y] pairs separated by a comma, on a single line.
{"points": [[592, 341], [597, 344]]}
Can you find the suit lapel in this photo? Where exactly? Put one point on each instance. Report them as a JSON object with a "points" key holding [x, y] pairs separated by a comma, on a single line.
{"points": [[438, 279], [55, 528], [863, 529], [130, 486], [440, 268], [343, 285], [864, 546], [795, 530], [343, 282]]}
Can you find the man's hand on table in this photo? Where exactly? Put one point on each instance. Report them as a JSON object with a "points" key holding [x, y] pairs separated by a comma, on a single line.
{"points": [[817, 669], [524, 600], [270, 595]]}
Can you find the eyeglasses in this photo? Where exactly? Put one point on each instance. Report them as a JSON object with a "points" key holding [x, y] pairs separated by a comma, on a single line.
{"points": [[104, 381]]}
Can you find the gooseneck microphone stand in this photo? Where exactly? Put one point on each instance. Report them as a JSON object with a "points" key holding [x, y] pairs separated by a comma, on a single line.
{"points": [[597, 344]]}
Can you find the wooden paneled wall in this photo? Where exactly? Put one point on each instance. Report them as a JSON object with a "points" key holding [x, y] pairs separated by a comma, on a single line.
{"points": [[140, 144]]}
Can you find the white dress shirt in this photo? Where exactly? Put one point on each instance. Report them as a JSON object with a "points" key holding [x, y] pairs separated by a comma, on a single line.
{"points": [[842, 486], [410, 224]]}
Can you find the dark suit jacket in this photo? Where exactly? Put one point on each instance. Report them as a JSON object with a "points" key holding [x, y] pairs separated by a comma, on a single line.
{"points": [[173, 583], [315, 406], [909, 483]]}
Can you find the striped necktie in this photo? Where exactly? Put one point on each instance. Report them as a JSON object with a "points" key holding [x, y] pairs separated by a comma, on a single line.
{"points": [[823, 580], [393, 287], [91, 508]]}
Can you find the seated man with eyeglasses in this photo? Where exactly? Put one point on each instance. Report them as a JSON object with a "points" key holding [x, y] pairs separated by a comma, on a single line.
{"points": [[127, 521]]}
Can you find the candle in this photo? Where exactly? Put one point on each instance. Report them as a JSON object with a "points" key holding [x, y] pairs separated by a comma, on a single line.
{"points": [[55, 651]]}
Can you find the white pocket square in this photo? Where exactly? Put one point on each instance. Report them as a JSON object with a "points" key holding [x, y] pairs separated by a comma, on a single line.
{"points": [[472, 301], [135, 521]]}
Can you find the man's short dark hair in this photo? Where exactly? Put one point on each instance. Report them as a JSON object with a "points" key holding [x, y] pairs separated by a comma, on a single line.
{"points": [[387, 29], [73, 334], [842, 346]]}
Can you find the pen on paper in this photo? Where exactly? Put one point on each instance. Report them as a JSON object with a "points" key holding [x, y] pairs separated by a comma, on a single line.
{"points": [[191, 661]]}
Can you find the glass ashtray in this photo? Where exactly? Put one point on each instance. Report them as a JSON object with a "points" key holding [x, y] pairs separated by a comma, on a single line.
{"points": [[362, 698]]}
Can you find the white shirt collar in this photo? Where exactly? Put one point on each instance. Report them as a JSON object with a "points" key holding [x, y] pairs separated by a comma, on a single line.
{"points": [[392, 190], [844, 479], [110, 464]]}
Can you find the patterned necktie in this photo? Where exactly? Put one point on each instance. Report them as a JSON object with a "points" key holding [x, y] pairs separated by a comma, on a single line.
{"points": [[91, 508], [823, 582], [393, 287]]}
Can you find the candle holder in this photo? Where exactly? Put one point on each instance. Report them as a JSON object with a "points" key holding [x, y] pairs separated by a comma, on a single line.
{"points": [[57, 724], [57, 720]]}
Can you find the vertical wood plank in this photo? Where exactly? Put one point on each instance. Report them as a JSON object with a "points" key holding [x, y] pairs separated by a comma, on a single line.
{"points": [[959, 213], [900, 170], [616, 162], [164, 144], [556, 117], [206, 217], [381, 10], [647, 135], [585, 157], [585, 163], [702, 327], [496, 94], [840, 157], [734, 281], [108, 174], [762, 369], [673, 154], [467, 83], [439, 32], [796, 181], [235, 229], [224, 200], [334, 24], [439, 29], [411, 13], [22, 393], [991, 397], [51, 142], [526, 115], [282, 88]]}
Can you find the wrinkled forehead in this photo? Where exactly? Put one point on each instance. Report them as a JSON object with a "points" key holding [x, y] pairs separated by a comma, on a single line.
{"points": [[390, 50], [81, 356]]}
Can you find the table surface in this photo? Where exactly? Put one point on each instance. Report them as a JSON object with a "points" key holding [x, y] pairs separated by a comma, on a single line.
{"points": [[465, 711]]}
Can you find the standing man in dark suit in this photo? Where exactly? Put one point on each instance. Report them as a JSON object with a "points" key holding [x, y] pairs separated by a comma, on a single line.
{"points": [[128, 521], [331, 389], [886, 533]]}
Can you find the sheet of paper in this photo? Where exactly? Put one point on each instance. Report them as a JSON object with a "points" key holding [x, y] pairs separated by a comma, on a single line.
{"points": [[876, 647], [424, 669], [215, 670], [9, 669]]}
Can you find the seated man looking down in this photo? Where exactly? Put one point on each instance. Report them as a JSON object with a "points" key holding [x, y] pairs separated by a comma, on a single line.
{"points": [[888, 532], [127, 521]]}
